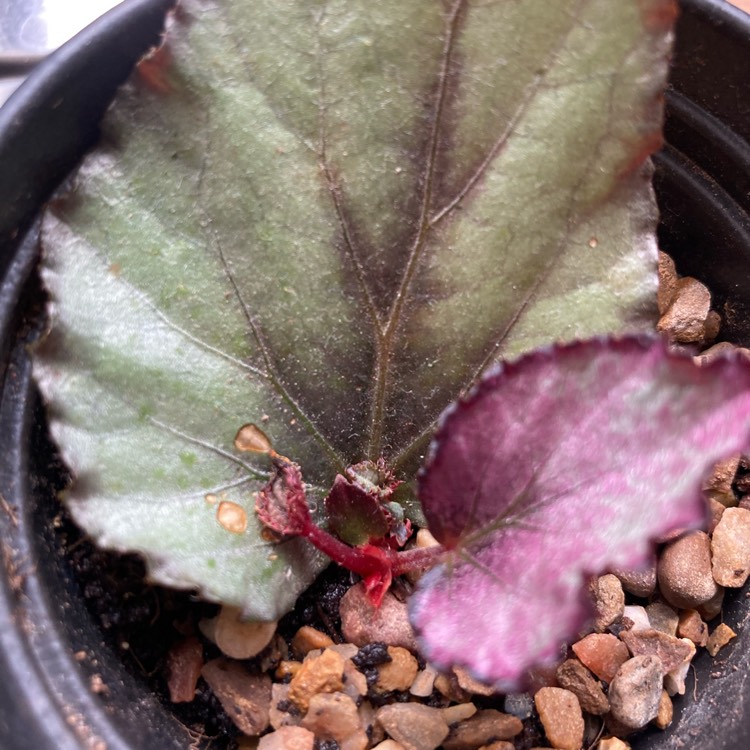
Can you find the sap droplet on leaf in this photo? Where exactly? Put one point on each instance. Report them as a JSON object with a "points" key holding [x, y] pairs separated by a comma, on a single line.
{"points": [[232, 517], [251, 439]]}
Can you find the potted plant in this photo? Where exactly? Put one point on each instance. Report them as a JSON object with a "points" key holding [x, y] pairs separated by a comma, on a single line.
{"points": [[63, 629]]}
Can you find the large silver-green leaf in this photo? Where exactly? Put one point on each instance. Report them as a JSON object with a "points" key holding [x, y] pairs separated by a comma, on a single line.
{"points": [[330, 217]]}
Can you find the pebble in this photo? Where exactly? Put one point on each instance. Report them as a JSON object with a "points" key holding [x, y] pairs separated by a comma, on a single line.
{"points": [[613, 743], [447, 685], [399, 672], [561, 717], [388, 745], [363, 623], [458, 712], [635, 692], [670, 650], [684, 321], [334, 716], [637, 615], [663, 617], [323, 673], [716, 510], [719, 483], [692, 626], [712, 608], [184, 664], [483, 728], [730, 548], [470, 685], [609, 600], [666, 711], [282, 712], [236, 637], [424, 682], [501, 745], [288, 738], [355, 683], [573, 676], [640, 583], [602, 653], [308, 639], [684, 571], [414, 726], [246, 697], [667, 282], [674, 681], [719, 638]]}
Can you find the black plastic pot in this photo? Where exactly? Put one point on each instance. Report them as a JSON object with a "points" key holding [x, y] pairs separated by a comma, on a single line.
{"points": [[46, 696]]}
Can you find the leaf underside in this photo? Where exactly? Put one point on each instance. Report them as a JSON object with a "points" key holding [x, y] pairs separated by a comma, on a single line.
{"points": [[331, 217], [568, 463]]}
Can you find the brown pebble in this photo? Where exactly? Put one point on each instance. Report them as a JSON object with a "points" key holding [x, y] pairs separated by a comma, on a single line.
{"points": [[363, 623], [717, 511], [573, 676], [613, 743], [684, 571], [501, 745], [662, 617], [730, 548], [561, 717], [333, 716], [470, 685], [184, 664], [666, 711], [287, 668], [609, 600], [399, 672], [670, 651], [602, 653], [667, 282], [320, 674], [711, 327], [642, 582], [691, 626], [288, 738], [413, 725], [424, 682], [635, 692], [308, 639], [684, 321], [246, 697], [719, 483], [458, 712], [388, 745], [719, 638], [712, 608], [447, 685], [283, 712], [236, 637], [483, 728], [674, 681]]}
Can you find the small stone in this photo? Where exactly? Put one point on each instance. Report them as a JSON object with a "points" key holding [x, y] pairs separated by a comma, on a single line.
{"points": [[414, 726], [282, 712], [666, 711], [246, 697], [184, 664], [321, 674], [363, 623], [470, 685], [663, 617], [730, 548], [717, 511], [635, 692], [640, 583], [609, 600], [691, 626], [424, 682], [674, 681], [483, 728], [334, 716], [712, 608], [719, 483], [388, 745], [573, 676], [684, 571], [602, 653], [612, 743], [308, 639], [287, 668], [288, 738], [458, 712], [684, 321], [236, 637], [719, 638], [712, 326], [670, 650], [447, 685], [355, 683], [501, 745], [398, 673], [667, 282], [636, 615], [561, 717]]}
